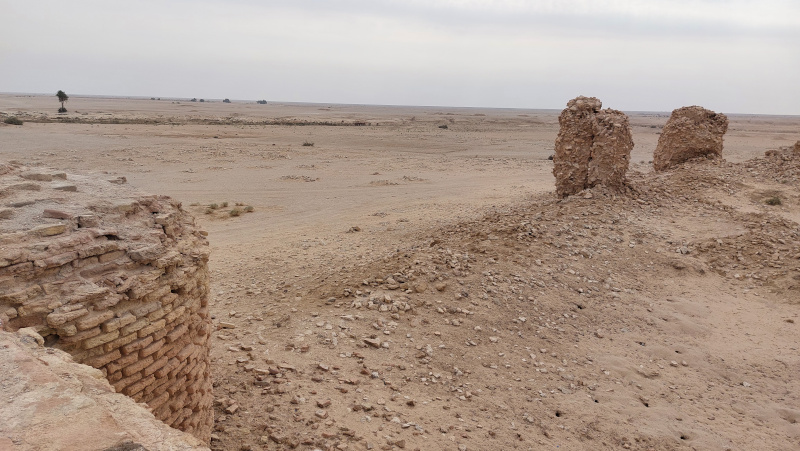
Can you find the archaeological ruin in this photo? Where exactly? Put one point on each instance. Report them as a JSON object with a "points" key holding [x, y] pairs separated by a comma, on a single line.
{"points": [[690, 132], [593, 147], [117, 279]]}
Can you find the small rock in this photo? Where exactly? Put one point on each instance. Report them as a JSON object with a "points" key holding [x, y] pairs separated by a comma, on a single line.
{"points": [[374, 342]]}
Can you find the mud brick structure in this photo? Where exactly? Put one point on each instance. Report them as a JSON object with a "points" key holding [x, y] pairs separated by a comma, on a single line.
{"points": [[593, 147], [690, 132], [117, 279]]}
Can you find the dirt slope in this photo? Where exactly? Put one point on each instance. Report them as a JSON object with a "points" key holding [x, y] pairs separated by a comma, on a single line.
{"points": [[662, 318]]}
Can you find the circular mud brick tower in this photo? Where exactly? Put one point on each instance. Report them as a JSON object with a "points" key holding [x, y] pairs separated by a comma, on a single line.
{"points": [[115, 278]]}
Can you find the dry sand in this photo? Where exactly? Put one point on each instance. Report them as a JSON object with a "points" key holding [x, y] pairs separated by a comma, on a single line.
{"points": [[663, 318]]}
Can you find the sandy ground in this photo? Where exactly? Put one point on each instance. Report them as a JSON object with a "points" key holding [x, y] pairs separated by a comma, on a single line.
{"points": [[403, 285]]}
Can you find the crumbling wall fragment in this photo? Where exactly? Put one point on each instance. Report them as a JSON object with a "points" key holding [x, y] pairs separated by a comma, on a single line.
{"points": [[592, 148], [117, 279], [690, 132]]}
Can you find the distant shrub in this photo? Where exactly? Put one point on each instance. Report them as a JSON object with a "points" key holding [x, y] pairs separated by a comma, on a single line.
{"points": [[774, 200], [13, 120], [202, 100], [226, 101], [444, 127], [213, 206], [261, 102], [193, 100], [152, 98], [308, 144], [235, 212], [224, 204], [62, 110], [249, 209]]}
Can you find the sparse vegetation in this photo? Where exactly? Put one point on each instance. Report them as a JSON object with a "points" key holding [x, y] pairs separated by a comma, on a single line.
{"points": [[261, 102], [62, 97], [235, 212], [249, 209], [213, 206], [202, 100], [226, 101], [224, 205], [13, 120], [774, 200], [308, 144], [193, 100]]}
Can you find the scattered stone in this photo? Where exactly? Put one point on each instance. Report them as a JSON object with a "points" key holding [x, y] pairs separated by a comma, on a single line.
{"points": [[373, 342]]}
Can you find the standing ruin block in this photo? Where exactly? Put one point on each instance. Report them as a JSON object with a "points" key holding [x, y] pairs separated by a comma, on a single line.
{"points": [[115, 278], [593, 147], [690, 132]]}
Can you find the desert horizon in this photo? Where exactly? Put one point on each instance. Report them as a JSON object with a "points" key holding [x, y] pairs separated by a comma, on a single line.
{"points": [[410, 280]]}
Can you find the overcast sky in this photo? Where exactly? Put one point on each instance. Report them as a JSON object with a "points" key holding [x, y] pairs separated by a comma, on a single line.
{"points": [[731, 56]]}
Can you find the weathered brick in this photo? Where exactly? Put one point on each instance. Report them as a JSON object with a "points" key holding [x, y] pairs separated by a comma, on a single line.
{"points": [[176, 333], [171, 365], [178, 400], [124, 382], [116, 323], [157, 294], [137, 366], [158, 364], [169, 298], [159, 334], [80, 336], [160, 313], [146, 309], [135, 326], [185, 352], [158, 401], [113, 377], [67, 330], [175, 314], [104, 359], [151, 349], [100, 339], [121, 341], [121, 363], [147, 330], [176, 385], [136, 345], [94, 319], [133, 389], [57, 319]]}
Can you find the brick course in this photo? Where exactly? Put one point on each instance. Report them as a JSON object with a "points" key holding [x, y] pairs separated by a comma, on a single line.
{"points": [[126, 292]]}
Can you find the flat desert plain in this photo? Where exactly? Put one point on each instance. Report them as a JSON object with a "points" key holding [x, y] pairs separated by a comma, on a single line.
{"points": [[407, 278]]}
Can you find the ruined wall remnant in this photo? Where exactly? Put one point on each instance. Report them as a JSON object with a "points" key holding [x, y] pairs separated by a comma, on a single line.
{"points": [[116, 279], [690, 132], [593, 147], [53, 403]]}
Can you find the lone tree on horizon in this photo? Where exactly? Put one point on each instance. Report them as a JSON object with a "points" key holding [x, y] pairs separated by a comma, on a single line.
{"points": [[62, 97]]}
